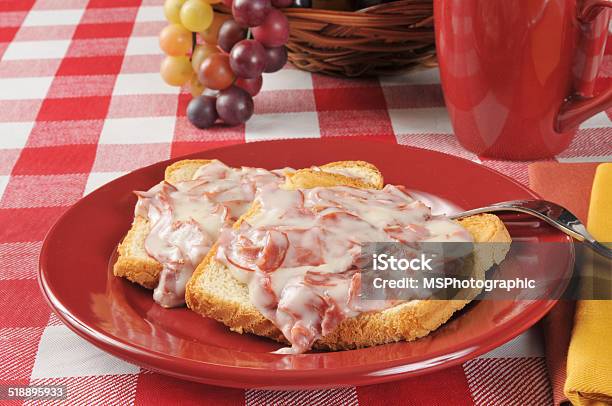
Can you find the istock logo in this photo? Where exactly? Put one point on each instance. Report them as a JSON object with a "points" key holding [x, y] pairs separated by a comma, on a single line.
{"points": [[384, 262]]}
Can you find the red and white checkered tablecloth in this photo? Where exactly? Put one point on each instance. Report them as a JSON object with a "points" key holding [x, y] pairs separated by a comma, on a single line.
{"points": [[81, 103]]}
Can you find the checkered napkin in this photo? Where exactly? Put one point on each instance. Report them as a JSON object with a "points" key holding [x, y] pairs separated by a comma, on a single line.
{"points": [[81, 103]]}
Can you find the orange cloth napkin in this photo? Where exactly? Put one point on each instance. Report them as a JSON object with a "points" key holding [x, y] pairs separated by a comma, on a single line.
{"points": [[566, 184], [570, 186]]}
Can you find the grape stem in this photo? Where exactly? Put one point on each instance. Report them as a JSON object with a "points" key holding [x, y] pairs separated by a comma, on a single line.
{"points": [[249, 33], [193, 43]]}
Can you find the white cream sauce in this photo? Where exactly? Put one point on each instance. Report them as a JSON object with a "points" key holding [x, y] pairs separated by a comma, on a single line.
{"points": [[186, 219], [298, 255]]}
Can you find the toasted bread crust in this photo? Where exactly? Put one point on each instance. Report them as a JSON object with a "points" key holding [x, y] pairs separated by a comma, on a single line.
{"points": [[184, 170], [131, 264], [307, 178], [137, 266]]}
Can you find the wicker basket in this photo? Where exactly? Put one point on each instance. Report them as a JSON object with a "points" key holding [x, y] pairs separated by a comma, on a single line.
{"points": [[380, 40]]}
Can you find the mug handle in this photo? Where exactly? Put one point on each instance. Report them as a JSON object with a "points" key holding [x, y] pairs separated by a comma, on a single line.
{"points": [[582, 105]]}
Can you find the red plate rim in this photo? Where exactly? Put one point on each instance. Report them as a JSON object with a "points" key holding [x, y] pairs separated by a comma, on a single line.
{"points": [[242, 377]]}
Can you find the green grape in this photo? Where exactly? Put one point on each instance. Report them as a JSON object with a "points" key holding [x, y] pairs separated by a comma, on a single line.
{"points": [[195, 87], [172, 9], [175, 40], [176, 70], [196, 15]]}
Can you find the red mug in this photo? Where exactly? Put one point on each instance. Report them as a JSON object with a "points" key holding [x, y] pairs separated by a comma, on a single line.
{"points": [[518, 75]]}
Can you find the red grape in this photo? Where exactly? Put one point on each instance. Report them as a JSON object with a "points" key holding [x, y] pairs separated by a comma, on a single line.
{"points": [[250, 13], [276, 58], [248, 59], [274, 30], [230, 33], [234, 105], [282, 3], [228, 3], [211, 34], [252, 86], [216, 73], [202, 111], [200, 53]]}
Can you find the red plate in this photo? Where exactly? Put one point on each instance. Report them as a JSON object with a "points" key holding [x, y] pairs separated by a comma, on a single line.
{"points": [[122, 319]]}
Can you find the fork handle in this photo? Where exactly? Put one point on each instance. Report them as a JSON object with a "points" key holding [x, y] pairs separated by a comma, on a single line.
{"points": [[553, 214]]}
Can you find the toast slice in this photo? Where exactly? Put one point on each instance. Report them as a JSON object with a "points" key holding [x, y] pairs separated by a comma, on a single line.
{"points": [[133, 262], [214, 292], [136, 265]]}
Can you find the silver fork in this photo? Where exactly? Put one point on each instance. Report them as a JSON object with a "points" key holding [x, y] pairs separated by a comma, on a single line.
{"points": [[551, 213]]}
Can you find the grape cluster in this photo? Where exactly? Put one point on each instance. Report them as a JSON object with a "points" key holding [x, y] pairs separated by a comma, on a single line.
{"points": [[224, 67]]}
